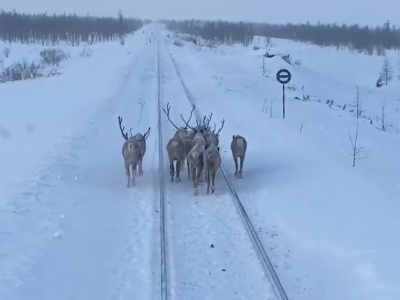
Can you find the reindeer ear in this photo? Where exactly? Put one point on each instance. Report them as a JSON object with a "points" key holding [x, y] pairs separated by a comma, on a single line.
{"points": [[233, 137], [218, 149]]}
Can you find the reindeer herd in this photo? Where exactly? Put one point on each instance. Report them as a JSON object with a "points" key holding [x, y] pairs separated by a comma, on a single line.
{"points": [[196, 146]]}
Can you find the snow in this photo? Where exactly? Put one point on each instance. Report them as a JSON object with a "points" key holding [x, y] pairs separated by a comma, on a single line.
{"points": [[71, 229], [327, 226], [211, 254]]}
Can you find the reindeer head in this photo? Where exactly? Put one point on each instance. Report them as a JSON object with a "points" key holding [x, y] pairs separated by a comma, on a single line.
{"points": [[125, 134], [140, 137]]}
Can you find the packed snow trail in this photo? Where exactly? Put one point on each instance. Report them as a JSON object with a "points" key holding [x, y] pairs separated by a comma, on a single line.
{"points": [[210, 253], [107, 241]]}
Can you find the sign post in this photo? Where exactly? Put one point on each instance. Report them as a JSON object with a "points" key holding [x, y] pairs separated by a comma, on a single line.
{"points": [[283, 76]]}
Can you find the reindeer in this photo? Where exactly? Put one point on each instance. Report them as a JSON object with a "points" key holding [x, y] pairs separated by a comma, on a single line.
{"points": [[197, 139], [205, 136], [131, 154], [238, 148], [181, 132], [212, 162], [196, 165], [176, 151], [141, 138]]}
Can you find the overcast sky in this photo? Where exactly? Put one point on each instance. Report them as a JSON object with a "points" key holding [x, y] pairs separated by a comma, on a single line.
{"points": [[280, 11]]}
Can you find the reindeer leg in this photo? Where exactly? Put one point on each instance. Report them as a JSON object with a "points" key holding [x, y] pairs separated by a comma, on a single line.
{"points": [[178, 171], [200, 176], [188, 169], [193, 171], [141, 166], [195, 177], [241, 167], [213, 182], [236, 165], [133, 178], [171, 169], [208, 181], [128, 176]]}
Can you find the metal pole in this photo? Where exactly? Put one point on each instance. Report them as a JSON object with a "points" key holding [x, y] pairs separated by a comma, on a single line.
{"points": [[283, 86]]}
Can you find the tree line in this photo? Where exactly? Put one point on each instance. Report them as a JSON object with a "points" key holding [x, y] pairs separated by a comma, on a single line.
{"points": [[363, 39], [51, 29], [220, 32]]}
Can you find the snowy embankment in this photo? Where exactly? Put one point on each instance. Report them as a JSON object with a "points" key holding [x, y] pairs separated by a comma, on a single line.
{"points": [[36, 115], [68, 226], [328, 226]]}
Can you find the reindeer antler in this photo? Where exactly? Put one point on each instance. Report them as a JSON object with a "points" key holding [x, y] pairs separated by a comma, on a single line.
{"points": [[167, 113], [191, 113], [130, 131], [207, 121], [222, 126], [146, 135], [187, 123], [124, 134]]}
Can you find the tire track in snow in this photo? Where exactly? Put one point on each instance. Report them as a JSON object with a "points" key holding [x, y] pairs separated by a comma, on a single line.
{"points": [[210, 255], [269, 271]]}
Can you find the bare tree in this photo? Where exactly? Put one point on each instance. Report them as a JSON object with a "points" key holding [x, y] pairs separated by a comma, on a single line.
{"points": [[382, 118], [357, 150], [121, 33], [387, 71]]}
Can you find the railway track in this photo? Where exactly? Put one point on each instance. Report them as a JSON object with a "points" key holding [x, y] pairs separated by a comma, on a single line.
{"points": [[169, 275], [163, 220]]}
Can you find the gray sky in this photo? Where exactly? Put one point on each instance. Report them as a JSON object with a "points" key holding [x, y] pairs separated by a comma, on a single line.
{"points": [[281, 11]]}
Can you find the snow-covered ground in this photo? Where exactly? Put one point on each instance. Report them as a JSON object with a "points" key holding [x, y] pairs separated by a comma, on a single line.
{"points": [[70, 229], [329, 228]]}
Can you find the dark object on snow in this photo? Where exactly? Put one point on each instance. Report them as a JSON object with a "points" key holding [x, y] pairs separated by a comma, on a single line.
{"points": [[269, 55], [212, 246], [256, 48], [379, 83]]}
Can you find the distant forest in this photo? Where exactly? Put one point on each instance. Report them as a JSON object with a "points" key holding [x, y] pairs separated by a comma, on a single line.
{"points": [[51, 29], [363, 39]]}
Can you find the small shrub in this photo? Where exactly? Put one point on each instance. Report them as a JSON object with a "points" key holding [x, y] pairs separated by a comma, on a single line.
{"points": [[52, 56], [178, 43], [7, 52], [21, 71]]}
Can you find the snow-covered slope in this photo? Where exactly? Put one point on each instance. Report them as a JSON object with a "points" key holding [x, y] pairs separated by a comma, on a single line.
{"points": [[70, 229], [330, 228]]}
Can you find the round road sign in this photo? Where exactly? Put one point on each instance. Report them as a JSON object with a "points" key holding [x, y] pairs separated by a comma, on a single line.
{"points": [[283, 76]]}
